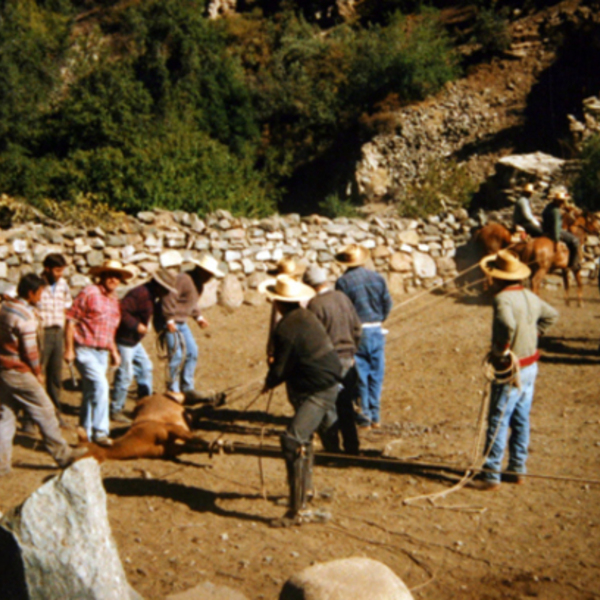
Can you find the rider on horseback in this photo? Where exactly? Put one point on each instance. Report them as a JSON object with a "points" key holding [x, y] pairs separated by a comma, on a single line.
{"points": [[522, 214], [552, 226]]}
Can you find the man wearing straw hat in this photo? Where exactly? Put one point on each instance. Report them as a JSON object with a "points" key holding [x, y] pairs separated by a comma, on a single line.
{"points": [[520, 317], [305, 359], [523, 216], [137, 308], [552, 226], [370, 296], [337, 314], [175, 309], [92, 322]]}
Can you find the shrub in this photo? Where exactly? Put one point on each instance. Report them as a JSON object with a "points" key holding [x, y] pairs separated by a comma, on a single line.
{"points": [[444, 184], [491, 31], [333, 206]]}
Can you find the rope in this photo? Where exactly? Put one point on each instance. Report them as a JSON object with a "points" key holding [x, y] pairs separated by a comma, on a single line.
{"points": [[263, 487], [164, 353], [508, 376]]}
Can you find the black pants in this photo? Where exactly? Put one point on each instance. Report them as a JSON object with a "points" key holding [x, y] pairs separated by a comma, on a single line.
{"points": [[345, 407], [52, 361]]}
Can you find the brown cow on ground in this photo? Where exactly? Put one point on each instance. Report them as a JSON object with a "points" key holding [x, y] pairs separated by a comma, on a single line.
{"points": [[159, 429]]}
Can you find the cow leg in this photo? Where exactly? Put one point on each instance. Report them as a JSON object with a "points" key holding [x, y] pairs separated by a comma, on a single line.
{"points": [[177, 435]]}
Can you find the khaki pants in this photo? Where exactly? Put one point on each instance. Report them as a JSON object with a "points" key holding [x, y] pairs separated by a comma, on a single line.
{"points": [[23, 391]]}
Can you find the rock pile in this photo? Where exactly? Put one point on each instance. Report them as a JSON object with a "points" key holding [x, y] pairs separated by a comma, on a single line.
{"points": [[411, 253]]}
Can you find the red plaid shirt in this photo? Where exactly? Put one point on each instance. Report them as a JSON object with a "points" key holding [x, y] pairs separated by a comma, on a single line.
{"points": [[19, 341], [96, 315]]}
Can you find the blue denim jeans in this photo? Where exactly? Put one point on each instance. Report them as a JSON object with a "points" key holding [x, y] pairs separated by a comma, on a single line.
{"points": [[134, 363], [510, 407], [182, 369], [92, 364], [370, 364]]}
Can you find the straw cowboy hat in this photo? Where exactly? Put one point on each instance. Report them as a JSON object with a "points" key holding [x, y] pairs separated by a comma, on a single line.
{"points": [[288, 266], [165, 279], [112, 266], [170, 259], [286, 289], [529, 188], [208, 263], [505, 265], [353, 255]]}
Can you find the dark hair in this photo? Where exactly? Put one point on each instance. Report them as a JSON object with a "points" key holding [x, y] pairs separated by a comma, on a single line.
{"points": [[29, 283], [54, 260]]}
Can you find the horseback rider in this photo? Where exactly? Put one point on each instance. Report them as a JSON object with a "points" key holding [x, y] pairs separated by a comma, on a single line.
{"points": [[523, 216], [552, 227]]}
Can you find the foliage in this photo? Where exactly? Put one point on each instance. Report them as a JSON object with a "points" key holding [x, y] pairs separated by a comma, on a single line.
{"points": [[444, 184], [491, 31], [333, 206], [153, 105], [85, 211], [586, 187]]}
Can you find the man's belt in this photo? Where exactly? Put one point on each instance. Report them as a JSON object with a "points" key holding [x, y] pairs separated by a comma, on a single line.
{"points": [[370, 325]]}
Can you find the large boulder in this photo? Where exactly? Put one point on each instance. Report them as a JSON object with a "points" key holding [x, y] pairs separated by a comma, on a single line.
{"points": [[346, 579], [58, 543], [232, 292]]}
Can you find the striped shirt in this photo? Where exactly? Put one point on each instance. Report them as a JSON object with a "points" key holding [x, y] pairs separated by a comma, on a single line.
{"points": [[56, 299], [96, 315], [19, 340], [368, 292]]}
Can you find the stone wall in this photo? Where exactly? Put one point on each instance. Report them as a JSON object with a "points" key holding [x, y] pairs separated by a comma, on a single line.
{"points": [[411, 253]]}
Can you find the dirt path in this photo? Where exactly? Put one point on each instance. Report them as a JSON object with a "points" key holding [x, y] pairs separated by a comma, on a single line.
{"points": [[178, 524]]}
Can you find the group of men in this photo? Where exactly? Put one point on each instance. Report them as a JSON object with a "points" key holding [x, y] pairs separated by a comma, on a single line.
{"points": [[97, 330], [552, 220]]}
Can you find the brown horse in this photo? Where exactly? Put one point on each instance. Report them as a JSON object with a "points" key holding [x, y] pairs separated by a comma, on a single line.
{"points": [[543, 257]]}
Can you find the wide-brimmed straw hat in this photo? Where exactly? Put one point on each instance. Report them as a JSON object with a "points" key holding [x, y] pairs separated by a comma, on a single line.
{"points": [[166, 279], [208, 263], [170, 259], [288, 266], [505, 265], [353, 255], [112, 266], [286, 289], [529, 188], [561, 196]]}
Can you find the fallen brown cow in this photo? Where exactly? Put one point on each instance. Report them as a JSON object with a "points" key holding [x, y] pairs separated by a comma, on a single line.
{"points": [[159, 429]]}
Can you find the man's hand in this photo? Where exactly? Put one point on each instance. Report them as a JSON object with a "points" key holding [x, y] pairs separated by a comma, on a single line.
{"points": [[115, 358], [69, 355], [171, 327], [202, 322], [142, 329]]}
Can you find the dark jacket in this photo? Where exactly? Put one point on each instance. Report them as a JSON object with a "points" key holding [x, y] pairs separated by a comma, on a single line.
{"points": [[337, 314], [178, 307], [136, 307], [304, 356]]}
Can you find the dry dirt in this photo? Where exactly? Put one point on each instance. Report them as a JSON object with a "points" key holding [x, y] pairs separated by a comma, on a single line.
{"points": [[178, 524]]}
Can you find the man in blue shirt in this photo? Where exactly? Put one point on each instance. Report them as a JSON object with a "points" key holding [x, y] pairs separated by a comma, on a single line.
{"points": [[369, 293]]}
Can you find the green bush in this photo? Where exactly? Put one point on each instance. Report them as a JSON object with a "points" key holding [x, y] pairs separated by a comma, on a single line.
{"points": [[444, 184], [491, 31], [333, 206], [586, 187]]}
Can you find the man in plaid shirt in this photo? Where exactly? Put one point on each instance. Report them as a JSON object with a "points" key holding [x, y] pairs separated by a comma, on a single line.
{"points": [[56, 300], [92, 322], [371, 298], [21, 376]]}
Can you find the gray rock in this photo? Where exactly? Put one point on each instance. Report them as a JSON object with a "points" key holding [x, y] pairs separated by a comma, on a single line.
{"points": [[78, 281], [13, 261], [95, 258], [400, 262], [116, 241], [254, 298], [346, 579], [197, 224], [231, 294], [208, 591], [146, 217], [424, 265], [61, 543], [209, 294]]}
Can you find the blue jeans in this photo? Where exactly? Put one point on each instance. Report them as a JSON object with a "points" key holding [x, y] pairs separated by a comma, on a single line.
{"points": [[92, 364], [370, 364], [182, 369], [510, 407], [134, 363]]}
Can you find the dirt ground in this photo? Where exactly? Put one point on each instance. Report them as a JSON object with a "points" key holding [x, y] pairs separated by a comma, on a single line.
{"points": [[178, 524]]}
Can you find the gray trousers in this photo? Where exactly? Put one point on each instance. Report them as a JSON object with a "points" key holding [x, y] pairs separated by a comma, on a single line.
{"points": [[23, 391], [52, 360]]}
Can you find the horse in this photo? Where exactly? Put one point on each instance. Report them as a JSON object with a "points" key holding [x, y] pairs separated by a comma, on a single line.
{"points": [[543, 257], [160, 429]]}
